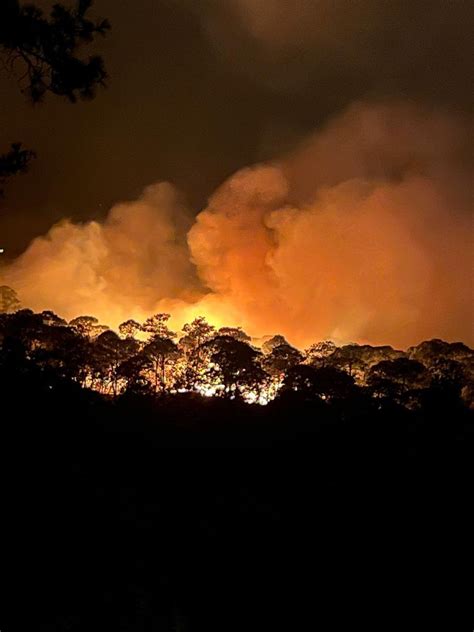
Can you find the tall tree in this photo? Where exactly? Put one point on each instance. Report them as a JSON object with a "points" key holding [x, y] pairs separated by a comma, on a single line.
{"points": [[110, 351], [159, 354], [196, 333], [193, 360]]}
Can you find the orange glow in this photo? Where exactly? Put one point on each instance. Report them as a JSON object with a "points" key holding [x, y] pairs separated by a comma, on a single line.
{"points": [[362, 234]]}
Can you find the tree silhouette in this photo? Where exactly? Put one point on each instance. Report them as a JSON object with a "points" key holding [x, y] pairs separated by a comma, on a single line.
{"points": [[234, 332], [301, 380], [148, 364], [195, 334], [332, 383], [274, 341], [451, 365], [158, 355], [233, 363], [159, 473], [88, 326], [52, 319], [445, 371], [129, 328], [193, 358], [348, 379], [110, 351], [61, 349], [42, 53], [133, 372], [24, 325], [15, 161], [9, 301], [157, 328], [349, 358], [319, 353], [326, 383], [394, 378], [430, 351], [280, 359]]}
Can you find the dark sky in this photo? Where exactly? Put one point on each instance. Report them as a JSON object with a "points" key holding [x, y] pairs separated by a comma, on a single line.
{"points": [[200, 89]]}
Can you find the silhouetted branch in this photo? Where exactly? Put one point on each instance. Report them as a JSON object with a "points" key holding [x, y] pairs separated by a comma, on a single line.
{"points": [[49, 48], [13, 162]]}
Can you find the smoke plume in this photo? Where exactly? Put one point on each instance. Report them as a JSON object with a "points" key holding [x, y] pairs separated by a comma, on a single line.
{"points": [[114, 270], [347, 48], [363, 233]]}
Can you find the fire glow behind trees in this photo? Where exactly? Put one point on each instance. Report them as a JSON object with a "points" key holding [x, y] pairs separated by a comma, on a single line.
{"points": [[362, 234]]}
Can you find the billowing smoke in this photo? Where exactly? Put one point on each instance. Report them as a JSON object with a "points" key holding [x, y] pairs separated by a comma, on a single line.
{"points": [[363, 233], [114, 270]]}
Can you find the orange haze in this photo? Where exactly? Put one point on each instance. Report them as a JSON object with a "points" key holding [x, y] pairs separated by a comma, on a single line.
{"points": [[363, 233]]}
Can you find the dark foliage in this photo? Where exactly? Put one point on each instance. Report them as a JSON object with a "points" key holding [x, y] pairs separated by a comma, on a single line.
{"points": [[44, 55], [47, 49], [161, 511], [15, 161]]}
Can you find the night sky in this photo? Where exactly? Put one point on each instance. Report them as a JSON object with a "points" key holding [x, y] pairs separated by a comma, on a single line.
{"points": [[198, 90]]}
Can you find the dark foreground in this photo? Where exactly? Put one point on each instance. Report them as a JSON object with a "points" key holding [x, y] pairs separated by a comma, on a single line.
{"points": [[187, 514]]}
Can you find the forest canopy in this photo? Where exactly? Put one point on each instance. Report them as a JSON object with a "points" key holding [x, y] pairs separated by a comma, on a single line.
{"points": [[149, 358]]}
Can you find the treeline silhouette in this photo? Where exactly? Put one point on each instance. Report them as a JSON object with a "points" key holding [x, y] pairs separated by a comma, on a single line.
{"points": [[149, 359], [132, 500]]}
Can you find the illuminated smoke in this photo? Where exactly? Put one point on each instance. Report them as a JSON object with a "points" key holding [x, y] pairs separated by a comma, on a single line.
{"points": [[361, 234], [116, 269], [364, 233]]}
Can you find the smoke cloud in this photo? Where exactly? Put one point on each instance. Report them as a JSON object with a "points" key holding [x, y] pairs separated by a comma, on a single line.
{"points": [[422, 49], [115, 270], [363, 233]]}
